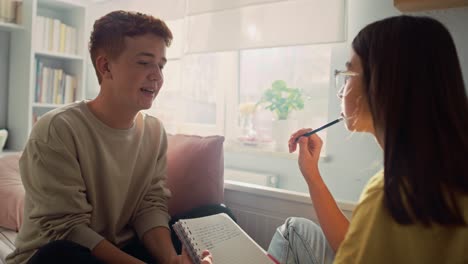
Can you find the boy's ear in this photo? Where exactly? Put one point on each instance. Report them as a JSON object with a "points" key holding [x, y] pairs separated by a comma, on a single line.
{"points": [[103, 67]]}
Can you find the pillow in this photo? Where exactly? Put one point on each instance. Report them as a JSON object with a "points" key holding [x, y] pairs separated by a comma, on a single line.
{"points": [[195, 171], [195, 176], [11, 192]]}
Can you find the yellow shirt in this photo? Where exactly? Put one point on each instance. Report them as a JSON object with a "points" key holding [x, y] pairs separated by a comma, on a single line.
{"points": [[374, 237]]}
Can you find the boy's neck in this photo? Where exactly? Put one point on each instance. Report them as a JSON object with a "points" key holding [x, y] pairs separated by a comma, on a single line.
{"points": [[112, 115]]}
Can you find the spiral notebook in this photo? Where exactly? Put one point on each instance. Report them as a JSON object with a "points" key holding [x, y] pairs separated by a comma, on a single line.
{"points": [[226, 241]]}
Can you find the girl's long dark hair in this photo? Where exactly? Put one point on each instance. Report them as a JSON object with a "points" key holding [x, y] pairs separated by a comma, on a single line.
{"points": [[419, 104]]}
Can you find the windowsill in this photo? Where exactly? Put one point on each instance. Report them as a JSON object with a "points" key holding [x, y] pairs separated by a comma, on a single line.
{"points": [[276, 193], [267, 151]]}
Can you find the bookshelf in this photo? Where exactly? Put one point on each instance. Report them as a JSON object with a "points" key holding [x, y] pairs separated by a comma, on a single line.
{"points": [[53, 34]]}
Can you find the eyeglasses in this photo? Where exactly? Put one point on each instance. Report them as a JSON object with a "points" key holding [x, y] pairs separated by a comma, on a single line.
{"points": [[341, 78]]}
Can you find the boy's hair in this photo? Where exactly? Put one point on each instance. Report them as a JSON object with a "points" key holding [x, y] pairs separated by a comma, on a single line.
{"points": [[110, 31], [414, 86]]}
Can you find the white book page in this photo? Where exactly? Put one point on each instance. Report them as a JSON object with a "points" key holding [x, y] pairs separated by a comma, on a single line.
{"points": [[226, 241]]}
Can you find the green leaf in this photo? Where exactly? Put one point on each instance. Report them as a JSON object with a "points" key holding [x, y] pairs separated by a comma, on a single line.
{"points": [[281, 99]]}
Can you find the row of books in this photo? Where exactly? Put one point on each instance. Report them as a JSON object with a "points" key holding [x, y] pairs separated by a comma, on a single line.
{"points": [[55, 36], [10, 11], [54, 86]]}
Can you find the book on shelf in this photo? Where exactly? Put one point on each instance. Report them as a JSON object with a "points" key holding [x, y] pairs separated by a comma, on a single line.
{"points": [[54, 36], [226, 241], [10, 11], [53, 85]]}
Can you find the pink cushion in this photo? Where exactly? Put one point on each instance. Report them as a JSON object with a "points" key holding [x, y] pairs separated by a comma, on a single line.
{"points": [[11, 192], [195, 171], [195, 168]]}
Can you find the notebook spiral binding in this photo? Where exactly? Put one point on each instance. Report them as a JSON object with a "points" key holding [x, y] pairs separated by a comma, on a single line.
{"points": [[188, 242]]}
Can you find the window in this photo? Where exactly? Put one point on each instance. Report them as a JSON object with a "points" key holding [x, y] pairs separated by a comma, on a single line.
{"points": [[224, 57], [192, 100], [306, 68], [205, 93]]}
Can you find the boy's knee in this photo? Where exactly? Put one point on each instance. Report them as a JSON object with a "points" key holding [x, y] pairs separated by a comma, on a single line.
{"points": [[59, 251], [62, 245]]}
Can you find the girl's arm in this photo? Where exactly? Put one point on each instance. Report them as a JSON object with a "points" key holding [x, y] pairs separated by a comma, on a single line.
{"points": [[333, 222]]}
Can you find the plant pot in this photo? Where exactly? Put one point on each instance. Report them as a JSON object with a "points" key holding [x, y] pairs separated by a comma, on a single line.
{"points": [[281, 131]]}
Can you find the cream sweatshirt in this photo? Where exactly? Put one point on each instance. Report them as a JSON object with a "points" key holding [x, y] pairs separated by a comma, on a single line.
{"points": [[86, 182]]}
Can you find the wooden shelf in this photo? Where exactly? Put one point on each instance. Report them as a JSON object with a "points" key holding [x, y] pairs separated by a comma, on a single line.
{"points": [[62, 4], [56, 55], [46, 105], [424, 5], [9, 26]]}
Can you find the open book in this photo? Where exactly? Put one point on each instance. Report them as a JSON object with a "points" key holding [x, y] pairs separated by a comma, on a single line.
{"points": [[226, 241]]}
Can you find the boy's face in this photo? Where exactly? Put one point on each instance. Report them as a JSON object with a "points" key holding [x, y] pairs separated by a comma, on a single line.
{"points": [[136, 75]]}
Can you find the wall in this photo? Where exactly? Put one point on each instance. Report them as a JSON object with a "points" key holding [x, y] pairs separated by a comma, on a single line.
{"points": [[4, 62], [352, 158]]}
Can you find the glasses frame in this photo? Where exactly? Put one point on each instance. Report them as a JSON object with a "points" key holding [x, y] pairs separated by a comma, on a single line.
{"points": [[346, 74]]}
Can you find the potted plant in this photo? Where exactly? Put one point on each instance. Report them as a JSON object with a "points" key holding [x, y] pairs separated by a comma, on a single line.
{"points": [[282, 100]]}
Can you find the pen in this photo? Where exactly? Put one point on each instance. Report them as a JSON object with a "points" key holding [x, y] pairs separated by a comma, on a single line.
{"points": [[320, 128]]}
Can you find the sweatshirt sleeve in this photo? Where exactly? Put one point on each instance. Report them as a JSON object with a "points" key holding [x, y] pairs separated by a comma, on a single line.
{"points": [[52, 179], [152, 211]]}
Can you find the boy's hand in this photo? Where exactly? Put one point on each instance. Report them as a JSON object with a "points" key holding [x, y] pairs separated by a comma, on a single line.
{"points": [[207, 258], [185, 259]]}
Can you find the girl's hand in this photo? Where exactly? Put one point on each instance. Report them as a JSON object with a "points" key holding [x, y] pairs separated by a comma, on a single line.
{"points": [[309, 152]]}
